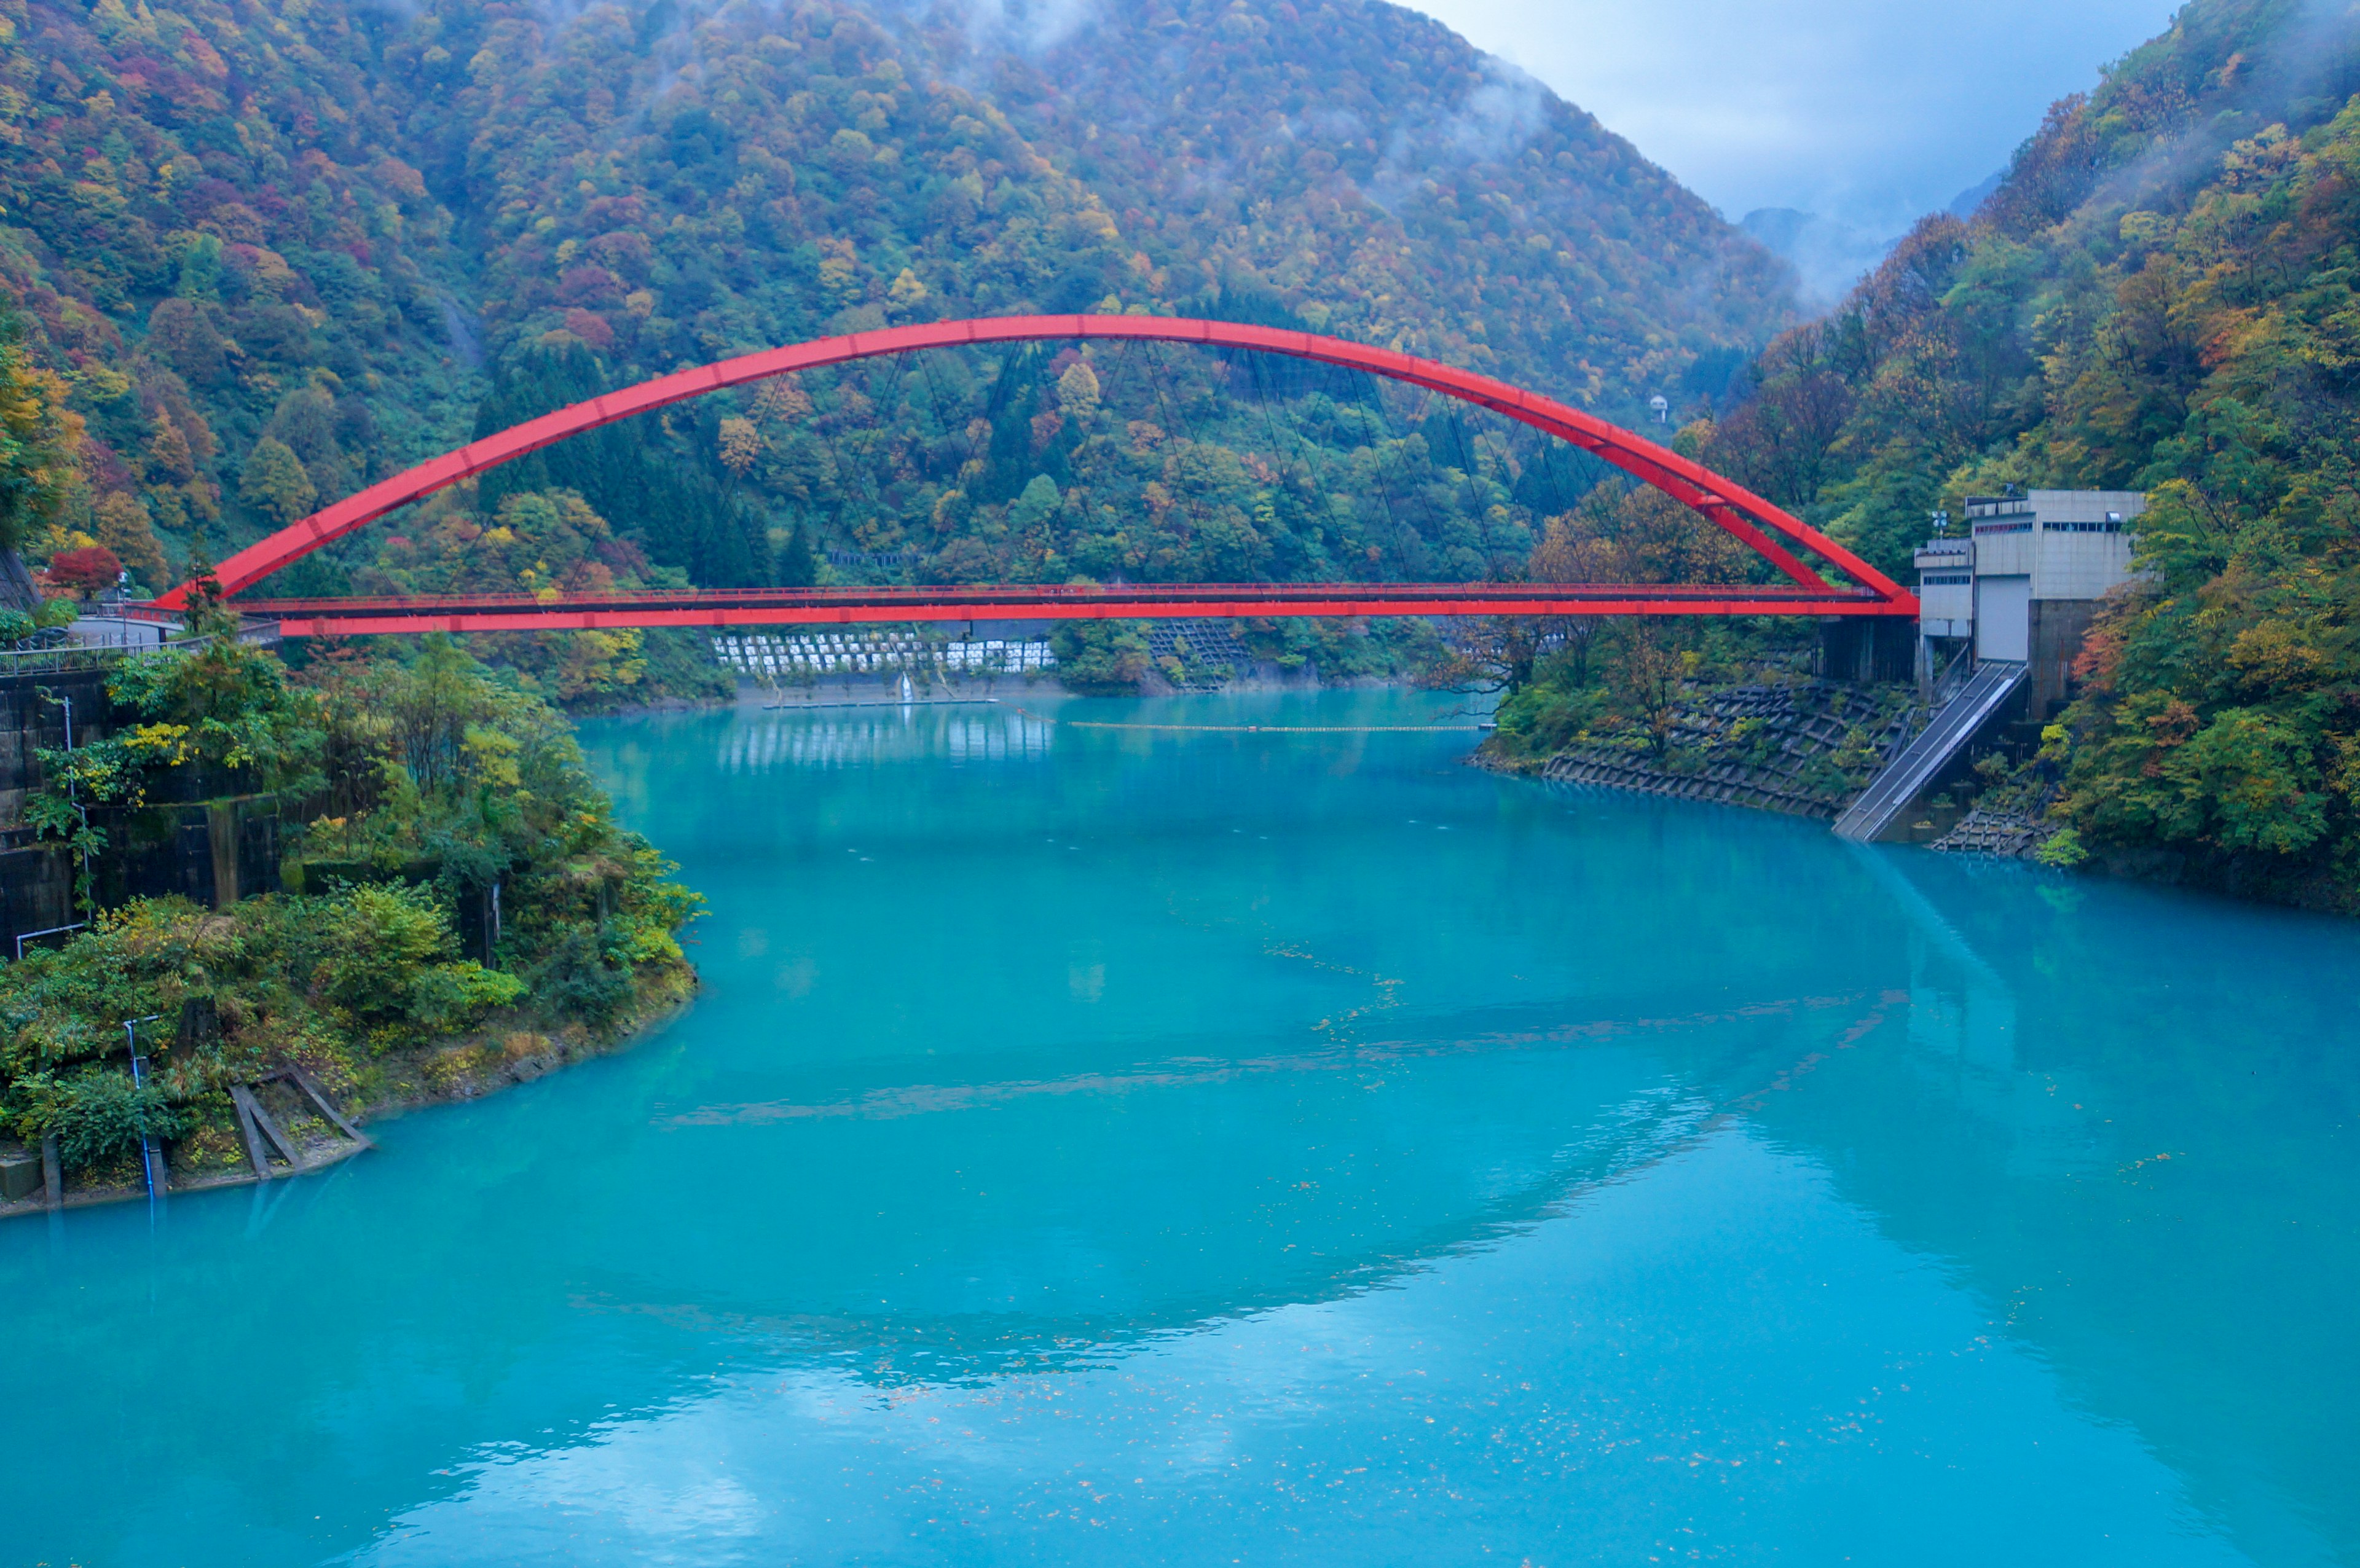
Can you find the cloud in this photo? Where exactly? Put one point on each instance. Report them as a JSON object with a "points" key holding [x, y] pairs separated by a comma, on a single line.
{"points": [[1491, 124], [992, 26], [1498, 117], [1866, 111]]}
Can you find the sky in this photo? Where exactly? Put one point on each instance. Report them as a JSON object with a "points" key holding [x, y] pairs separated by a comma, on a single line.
{"points": [[1868, 112]]}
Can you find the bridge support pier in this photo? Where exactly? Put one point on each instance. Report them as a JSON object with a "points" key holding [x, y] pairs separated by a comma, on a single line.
{"points": [[1862, 648]]}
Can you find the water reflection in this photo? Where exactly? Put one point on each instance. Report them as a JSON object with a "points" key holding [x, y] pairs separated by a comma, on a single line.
{"points": [[1352, 1149], [958, 735]]}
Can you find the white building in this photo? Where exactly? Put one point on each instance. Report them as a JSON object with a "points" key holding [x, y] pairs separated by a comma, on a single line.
{"points": [[841, 655], [2025, 583], [1946, 589]]}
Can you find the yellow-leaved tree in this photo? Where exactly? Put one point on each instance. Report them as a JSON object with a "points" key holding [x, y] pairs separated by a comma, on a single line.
{"points": [[38, 436]]}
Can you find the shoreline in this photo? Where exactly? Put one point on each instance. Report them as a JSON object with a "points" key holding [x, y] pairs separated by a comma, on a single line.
{"points": [[506, 1054], [2251, 882], [471, 1067]]}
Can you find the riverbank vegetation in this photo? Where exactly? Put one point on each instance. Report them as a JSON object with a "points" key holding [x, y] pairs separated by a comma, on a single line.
{"points": [[455, 897], [1620, 681], [2159, 296]]}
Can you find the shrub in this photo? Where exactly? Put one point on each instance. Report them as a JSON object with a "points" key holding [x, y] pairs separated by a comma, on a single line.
{"points": [[379, 940], [98, 1113], [577, 979], [2062, 850], [451, 997]]}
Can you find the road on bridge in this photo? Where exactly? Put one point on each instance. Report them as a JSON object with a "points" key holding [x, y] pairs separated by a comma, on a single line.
{"points": [[850, 606]]}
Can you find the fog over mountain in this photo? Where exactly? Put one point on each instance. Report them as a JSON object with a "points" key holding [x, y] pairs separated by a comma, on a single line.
{"points": [[1827, 256], [1867, 112]]}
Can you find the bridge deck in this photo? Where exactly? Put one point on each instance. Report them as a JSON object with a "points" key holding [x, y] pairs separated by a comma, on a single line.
{"points": [[847, 606]]}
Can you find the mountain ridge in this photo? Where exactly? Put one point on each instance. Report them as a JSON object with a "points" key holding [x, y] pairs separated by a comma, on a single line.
{"points": [[273, 255], [2162, 294]]}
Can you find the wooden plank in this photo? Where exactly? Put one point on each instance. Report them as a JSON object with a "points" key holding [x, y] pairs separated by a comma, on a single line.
{"points": [[255, 1155], [270, 1130], [305, 1082]]}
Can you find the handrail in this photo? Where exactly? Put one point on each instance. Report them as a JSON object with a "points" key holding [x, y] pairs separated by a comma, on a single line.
{"points": [[63, 658], [1952, 727], [896, 595], [791, 606]]}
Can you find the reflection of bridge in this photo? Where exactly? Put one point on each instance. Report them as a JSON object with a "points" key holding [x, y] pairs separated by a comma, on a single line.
{"points": [[1779, 539]]}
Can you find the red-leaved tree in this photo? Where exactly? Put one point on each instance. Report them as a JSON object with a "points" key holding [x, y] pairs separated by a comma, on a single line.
{"points": [[86, 572]]}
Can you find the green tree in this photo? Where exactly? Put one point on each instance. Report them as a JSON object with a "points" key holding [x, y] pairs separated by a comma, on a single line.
{"points": [[1102, 657], [798, 567], [274, 484]]}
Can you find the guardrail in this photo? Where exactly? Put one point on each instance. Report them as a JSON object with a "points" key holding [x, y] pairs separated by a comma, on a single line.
{"points": [[64, 658]]}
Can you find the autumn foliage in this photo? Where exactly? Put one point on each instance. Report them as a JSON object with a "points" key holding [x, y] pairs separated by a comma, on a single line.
{"points": [[270, 254], [87, 571], [2164, 295]]}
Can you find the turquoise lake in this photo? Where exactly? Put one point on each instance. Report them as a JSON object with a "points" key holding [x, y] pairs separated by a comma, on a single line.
{"points": [[1106, 1144]]}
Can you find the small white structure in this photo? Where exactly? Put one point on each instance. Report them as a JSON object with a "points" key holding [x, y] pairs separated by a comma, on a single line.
{"points": [[1946, 589], [99, 629], [795, 656], [2025, 583]]}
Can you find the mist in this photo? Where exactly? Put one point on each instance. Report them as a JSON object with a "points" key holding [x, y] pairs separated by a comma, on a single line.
{"points": [[1864, 112]]}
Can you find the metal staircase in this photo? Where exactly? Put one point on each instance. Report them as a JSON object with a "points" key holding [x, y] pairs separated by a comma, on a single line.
{"points": [[1953, 726]]}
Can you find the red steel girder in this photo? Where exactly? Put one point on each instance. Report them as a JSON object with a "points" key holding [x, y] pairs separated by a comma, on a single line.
{"points": [[857, 606], [1777, 535]]}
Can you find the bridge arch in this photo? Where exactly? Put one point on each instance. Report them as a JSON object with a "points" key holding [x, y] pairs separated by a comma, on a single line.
{"points": [[1771, 532]]}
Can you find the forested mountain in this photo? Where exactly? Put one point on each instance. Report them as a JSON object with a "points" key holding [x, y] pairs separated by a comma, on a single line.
{"points": [[2163, 294], [1396, 187], [273, 252], [219, 250], [2159, 281]]}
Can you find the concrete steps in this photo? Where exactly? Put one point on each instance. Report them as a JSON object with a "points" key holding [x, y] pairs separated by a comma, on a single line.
{"points": [[1766, 746]]}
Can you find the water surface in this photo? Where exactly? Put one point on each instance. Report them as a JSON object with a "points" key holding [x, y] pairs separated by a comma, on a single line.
{"points": [[1196, 1145]]}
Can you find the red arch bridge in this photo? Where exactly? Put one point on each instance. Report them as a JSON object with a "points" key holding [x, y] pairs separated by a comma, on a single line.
{"points": [[1788, 544]]}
